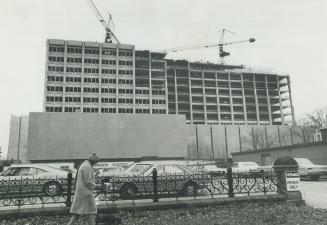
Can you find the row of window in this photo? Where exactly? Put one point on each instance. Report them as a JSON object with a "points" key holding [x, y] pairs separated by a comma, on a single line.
{"points": [[105, 110], [74, 69], [54, 88], [74, 50], [106, 81], [108, 100], [72, 99], [54, 99], [90, 110], [142, 101], [94, 51], [125, 101], [142, 92], [73, 89], [56, 49], [110, 62], [74, 60], [55, 59], [158, 92], [91, 90], [125, 81], [158, 101], [87, 99], [53, 109], [158, 111], [125, 110], [108, 110], [125, 63], [55, 68], [74, 79], [55, 78], [142, 111], [72, 109], [88, 70], [96, 90]]}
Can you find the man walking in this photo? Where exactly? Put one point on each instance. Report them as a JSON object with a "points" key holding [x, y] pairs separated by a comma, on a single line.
{"points": [[84, 202]]}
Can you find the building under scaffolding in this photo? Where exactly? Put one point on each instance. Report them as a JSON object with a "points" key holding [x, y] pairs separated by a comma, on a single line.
{"points": [[94, 77]]}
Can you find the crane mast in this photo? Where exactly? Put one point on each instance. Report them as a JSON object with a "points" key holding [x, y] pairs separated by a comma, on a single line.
{"points": [[110, 36]]}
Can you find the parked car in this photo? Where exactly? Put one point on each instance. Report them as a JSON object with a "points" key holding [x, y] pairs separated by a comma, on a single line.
{"points": [[244, 166], [137, 178], [209, 168], [111, 171], [31, 178], [309, 169]]}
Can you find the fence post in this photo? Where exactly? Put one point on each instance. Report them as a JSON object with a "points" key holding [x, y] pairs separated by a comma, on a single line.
{"points": [[230, 181], [69, 189], [282, 165], [155, 184]]}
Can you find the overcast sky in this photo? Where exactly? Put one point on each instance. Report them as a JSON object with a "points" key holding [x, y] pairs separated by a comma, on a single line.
{"points": [[291, 38]]}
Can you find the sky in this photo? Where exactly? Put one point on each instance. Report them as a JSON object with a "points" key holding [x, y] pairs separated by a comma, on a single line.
{"points": [[291, 38]]}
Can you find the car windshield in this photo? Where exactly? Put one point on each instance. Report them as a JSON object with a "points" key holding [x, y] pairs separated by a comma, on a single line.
{"points": [[244, 164], [303, 161], [139, 168]]}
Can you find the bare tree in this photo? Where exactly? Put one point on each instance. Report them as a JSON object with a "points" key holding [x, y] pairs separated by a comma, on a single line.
{"points": [[304, 130], [311, 124], [318, 118], [259, 139]]}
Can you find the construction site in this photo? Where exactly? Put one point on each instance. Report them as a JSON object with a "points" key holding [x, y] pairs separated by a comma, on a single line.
{"points": [[114, 78]]}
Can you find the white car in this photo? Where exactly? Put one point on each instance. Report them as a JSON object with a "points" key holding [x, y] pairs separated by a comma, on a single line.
{"points": [[111, 171], [308, 169], [244, 166], [138, 178], [33, 178], [209, 168]]}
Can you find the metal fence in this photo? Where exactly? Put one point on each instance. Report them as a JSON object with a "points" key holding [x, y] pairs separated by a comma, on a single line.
{"points": [[37, 191]]}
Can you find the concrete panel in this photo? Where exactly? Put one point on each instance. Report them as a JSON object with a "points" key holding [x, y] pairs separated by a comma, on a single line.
{"points": [[17, 148], [218, 134], [285, 135], [75, 135], [191, 142], [233, 139], [272, 136], [205, 150], [246, 138]]}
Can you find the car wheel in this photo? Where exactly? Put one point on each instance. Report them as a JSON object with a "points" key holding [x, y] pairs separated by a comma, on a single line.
{"points": [[314, 177], [128, 191], [190, 189], [52, 188]]}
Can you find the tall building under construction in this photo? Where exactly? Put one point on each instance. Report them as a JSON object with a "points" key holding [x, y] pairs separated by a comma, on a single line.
{"points": [[92, 77]]}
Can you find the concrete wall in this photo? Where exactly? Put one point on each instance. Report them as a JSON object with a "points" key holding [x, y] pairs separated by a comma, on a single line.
{"points": [[316, 152], [151, 135], [75, 135], [17, 147], [324, 134], [239, 138]]}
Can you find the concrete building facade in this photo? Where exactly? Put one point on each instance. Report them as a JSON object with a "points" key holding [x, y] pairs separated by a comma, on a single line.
{"points": [[92, 77]]}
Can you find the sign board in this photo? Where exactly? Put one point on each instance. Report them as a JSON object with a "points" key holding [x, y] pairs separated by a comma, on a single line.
{"points": [[112, 164], [292, 181]]}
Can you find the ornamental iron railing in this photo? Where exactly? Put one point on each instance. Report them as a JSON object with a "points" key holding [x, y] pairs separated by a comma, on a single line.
{"points": [[49, 191]]}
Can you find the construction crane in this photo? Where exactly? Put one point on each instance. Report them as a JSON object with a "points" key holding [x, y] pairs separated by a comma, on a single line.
{"points": [[110, 36], [221, 44]]}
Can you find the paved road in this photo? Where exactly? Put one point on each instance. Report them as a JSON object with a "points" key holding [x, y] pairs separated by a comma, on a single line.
{"points": [[315, 192]]}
